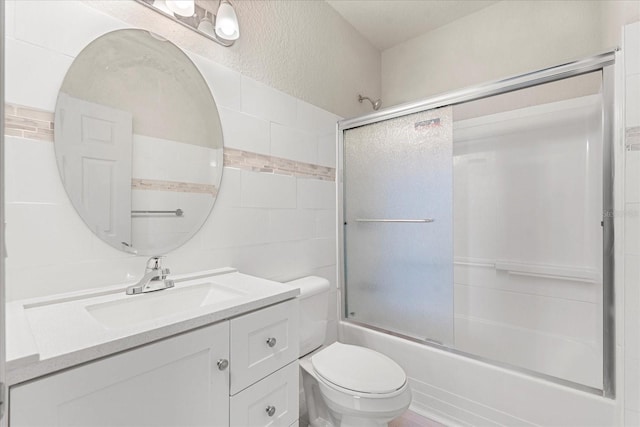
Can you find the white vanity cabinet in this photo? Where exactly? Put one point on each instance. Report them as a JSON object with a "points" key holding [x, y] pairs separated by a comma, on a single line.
{"points": [[173, 382], [264, 367], [239, 372]]}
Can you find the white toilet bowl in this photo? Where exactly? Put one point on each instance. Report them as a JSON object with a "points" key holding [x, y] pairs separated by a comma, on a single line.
{"points": [[352, 386], [343, 385]]}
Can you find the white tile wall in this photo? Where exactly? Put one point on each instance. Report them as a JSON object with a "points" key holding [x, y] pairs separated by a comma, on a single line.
{"points": [[245, 132], [33, 74], [632, 49], [31, 159], [632, 228], [263, 101], [9, 10], [55, 26], [632, 116], [273, 226], [327, 149], [259, 190], [314, 119], [291, 224], [315, 194], [632, 296], [325, 222], [226, 91], [294, 144]]}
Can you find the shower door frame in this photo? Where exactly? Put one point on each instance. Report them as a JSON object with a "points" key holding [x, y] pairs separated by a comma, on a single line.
{"points": [[604, 62]]}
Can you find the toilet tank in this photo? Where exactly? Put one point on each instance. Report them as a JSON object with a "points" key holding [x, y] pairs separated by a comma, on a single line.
{"points": [[314, 301]]}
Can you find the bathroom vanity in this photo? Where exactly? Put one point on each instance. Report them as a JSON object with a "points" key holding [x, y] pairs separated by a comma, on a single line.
{"points": [[141, 157], [218, 349]]}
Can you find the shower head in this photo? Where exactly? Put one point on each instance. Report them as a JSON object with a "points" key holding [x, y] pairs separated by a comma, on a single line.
{"points": [[375, 104]]}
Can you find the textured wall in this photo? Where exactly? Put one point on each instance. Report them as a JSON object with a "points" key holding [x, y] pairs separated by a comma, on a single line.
{"points": [[508, 38], [303, 48]]}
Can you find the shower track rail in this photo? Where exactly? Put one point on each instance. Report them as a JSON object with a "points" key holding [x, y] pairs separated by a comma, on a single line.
{"points": [[603, 61]]}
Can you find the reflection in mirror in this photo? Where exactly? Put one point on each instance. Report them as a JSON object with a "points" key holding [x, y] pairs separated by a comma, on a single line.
{"points": [[138, 142]]}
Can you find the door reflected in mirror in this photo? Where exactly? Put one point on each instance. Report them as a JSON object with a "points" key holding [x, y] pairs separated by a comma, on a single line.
{"points": [[138, 142]]}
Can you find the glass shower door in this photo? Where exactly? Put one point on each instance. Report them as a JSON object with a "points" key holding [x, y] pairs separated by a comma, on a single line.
{"points": [[398, 236]]}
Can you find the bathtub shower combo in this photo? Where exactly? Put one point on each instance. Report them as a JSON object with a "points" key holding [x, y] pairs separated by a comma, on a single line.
{"points": [[479, 222]]}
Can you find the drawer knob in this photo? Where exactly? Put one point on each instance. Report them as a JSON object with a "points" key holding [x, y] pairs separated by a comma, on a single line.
{"points": [[222, 364], [271, 410], [271, 342]]}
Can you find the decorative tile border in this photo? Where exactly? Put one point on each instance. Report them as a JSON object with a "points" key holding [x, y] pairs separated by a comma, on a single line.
{"points": [[632, 140], [27, 122], [179, 187], [255, 162]]}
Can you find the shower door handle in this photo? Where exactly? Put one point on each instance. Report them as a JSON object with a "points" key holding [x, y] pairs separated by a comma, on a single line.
{"points": [[422, 220]]}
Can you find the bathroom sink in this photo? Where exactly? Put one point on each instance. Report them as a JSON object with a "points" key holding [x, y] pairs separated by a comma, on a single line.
{"points": [[134, 309]]}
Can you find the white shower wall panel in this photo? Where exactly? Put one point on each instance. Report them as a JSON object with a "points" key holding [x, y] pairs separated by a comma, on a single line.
{"points": [[527, 211]]}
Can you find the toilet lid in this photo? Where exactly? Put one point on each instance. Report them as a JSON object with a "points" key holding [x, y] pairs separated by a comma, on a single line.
{"points": [[359, 369]]}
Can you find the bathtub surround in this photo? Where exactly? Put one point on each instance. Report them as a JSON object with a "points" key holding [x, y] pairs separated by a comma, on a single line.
{"points": [[456, 390], [523, 271], [468, 391]]}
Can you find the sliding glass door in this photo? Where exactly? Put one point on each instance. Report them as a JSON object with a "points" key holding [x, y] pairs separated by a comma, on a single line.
{"points": [[398, 214], [483, 227]]}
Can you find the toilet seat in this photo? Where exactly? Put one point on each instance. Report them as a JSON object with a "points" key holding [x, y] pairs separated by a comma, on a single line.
{"points": [[360, 370]]}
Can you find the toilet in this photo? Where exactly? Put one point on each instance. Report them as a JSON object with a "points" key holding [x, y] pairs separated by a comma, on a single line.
{"points": [[343, 385]]}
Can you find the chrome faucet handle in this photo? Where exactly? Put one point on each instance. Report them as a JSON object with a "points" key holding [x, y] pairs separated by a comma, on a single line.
{"points": [[154, 263], [154, 279]]}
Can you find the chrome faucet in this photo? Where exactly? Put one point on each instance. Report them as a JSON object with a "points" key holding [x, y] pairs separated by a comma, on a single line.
{"points": [[154, 279]]}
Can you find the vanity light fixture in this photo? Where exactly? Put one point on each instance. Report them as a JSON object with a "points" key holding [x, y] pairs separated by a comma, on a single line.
{"points": [[206, 25], [227, 22], [221, 27], [162, 6]]}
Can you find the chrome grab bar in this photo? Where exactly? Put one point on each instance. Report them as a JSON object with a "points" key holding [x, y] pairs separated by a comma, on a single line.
{"points": [[177, 212], [394, 220]]}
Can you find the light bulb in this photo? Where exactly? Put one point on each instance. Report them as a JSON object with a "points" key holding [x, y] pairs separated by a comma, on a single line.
{"points": [[162, 5], [206, 25], [227, 22], [182, 7]]}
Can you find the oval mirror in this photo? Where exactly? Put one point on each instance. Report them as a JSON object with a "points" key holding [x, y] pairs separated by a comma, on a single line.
{"points": [[138, 142]]}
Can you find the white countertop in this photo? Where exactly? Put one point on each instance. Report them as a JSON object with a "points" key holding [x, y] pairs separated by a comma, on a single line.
{"points": [[45, 335]]}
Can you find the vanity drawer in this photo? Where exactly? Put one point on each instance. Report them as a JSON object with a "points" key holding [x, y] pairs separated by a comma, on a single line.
{"points": [[276, 395], [263, 342]]}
